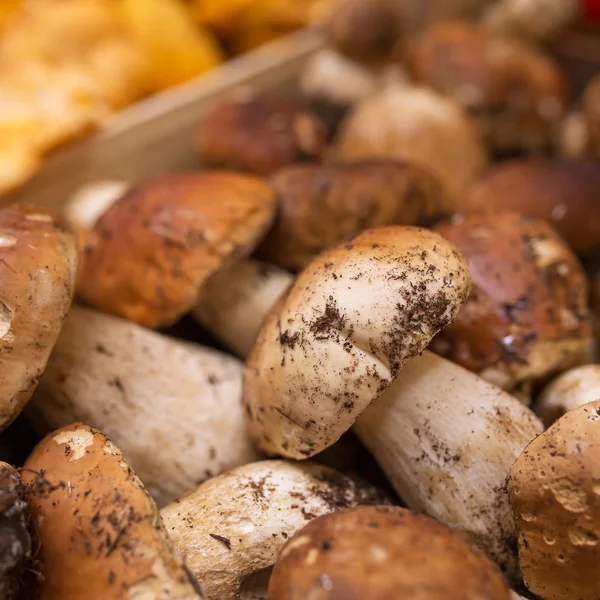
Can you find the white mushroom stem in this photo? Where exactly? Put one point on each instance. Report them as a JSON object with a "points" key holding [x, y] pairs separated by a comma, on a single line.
{"points": [[568, 391], [172, 407], [572, 136], [516, 596], [231, 528], [446, 440]]}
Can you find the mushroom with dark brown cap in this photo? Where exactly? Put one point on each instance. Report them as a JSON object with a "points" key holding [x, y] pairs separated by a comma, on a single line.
{"points": [[527, 317], [568, 391], [231, 528], [38, 258], [259, 132], [515, 92], [554, 493], [562, 192], [101, 535], [15, 540], [152, 250], [382, 552], [320, 205], [590, 106], [335, 343], [420, 126]]}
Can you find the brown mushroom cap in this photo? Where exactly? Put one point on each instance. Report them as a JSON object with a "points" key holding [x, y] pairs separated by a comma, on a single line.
{"points": [[259, 133], [101, 535], [364, 29], [38, 258], [338, 338], [152, 250], [419, 126], [590, 105], [527, 316], [319, 205], [555, 496], [517, 93], [562, 192], [15, 542], [379, 553]]}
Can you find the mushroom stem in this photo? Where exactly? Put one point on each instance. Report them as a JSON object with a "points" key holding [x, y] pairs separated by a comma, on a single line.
{"points": [[446, 440]]}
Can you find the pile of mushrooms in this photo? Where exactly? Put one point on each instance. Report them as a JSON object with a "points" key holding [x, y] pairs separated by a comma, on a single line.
{"points": [[407, 254]]}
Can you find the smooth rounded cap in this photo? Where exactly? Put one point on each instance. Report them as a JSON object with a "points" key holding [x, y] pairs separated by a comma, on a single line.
{"points": [[562, 192], [420, 126], [568, 391], [38, 258], [259, 133], [527, 316], [320, 205], [341, 334], [379, 553], [152, 250], [555, 497], [100, 533]]}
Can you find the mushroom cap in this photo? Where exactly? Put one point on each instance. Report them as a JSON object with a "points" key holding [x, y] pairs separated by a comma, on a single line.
{"points": [[233, 526], [320, 205], [555, 497], [101, 535], [259, 132], [419, 126], [562, 192], [382, 552], [15, 542], [590, 104], [152, 250], [38, 257], [338, 338], [516, 92], [527, 316], [364, 29], [569, 390]]}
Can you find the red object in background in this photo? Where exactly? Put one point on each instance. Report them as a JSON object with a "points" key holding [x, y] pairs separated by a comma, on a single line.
{"points": [[591, 9]]}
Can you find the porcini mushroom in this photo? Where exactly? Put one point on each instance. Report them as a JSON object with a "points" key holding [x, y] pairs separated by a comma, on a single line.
{"points": [[527, 317], [38, 258], [568, 391], [381, 552], [320, 205], [515, 92], [259, 133], [553, 489], [15, 541], [562, 192], [337, 340], [152, 250], [420, 126], [100, 532], [231, 528], [173, 407]]}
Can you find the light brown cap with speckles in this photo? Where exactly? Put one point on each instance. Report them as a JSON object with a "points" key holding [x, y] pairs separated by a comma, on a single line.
{"points": [[101, 535], [554, 490], [381, 553], [152, 250], [340, 336]]}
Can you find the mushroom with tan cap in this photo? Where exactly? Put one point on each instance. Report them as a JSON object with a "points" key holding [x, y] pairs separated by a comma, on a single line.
{"points": [[15, 540], [101, 535], [259, 132], [568, 391], [38, 258], [335, 343], [172, 407], [420, 126], [515, 92], [553, 489], [320, 205], [527, 317], [231, 528], [381, 552], [152, 250], [562, 192]]}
